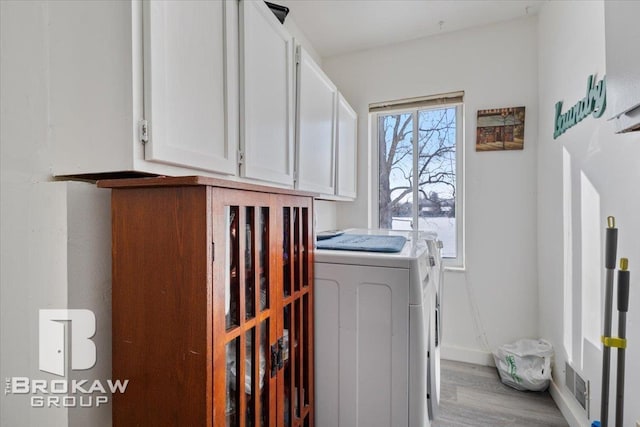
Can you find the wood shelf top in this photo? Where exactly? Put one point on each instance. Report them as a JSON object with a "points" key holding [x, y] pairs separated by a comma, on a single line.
{"points": [[195, 180]]}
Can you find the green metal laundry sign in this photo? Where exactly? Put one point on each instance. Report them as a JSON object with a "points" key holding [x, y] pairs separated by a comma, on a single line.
{"points": [[594, 102]]}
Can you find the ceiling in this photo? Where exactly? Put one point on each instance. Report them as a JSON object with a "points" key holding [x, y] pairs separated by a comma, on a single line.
{"points": [[337, 27]]}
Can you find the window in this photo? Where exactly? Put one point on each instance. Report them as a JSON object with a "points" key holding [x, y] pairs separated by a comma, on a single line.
{"points": [[419, 179]]}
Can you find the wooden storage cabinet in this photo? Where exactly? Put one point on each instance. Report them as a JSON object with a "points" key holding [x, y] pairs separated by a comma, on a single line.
{"points": [[212, 303]]}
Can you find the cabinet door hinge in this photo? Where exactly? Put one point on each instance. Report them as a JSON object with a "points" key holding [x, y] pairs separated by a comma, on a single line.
{"points": [[213, 251], [143, 131], [240, 157], [298, 56]]}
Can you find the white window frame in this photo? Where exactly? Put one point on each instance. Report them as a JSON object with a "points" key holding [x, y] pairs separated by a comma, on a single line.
{"points": [[457, 263]]}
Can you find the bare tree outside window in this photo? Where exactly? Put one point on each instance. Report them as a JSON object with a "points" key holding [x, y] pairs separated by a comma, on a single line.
{"points": [[432, 174], [395, 148]]}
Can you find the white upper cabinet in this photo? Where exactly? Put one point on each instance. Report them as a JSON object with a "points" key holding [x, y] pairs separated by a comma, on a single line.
{"points": [[191, 81], [347, 159], [316, 130], [192, 87], [171, 110], [623, 64], [266, 100]]}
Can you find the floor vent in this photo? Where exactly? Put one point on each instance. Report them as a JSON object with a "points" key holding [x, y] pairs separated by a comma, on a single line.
{"points": [[578, 387]]}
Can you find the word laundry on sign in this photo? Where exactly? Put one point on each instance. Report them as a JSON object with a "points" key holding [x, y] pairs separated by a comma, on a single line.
{"points": [[595, 101]]}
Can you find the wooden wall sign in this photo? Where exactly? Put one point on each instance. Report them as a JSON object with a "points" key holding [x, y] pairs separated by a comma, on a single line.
{"points": [[500, 129], [594, 102]]}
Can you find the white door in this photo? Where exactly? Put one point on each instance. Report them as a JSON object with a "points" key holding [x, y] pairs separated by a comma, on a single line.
{"points": [[266, 95], [347, 154], [190, 83], [316, 130]]}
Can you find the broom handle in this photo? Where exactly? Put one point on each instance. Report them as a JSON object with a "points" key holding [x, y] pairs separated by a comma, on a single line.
{"points": [[623, 307], [611, 246]]}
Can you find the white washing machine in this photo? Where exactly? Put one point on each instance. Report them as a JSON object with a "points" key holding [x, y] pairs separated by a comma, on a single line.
{"points": [[377, 334]]}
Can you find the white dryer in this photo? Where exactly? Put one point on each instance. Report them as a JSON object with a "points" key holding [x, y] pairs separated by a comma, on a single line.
{"points": [[377, 338]]}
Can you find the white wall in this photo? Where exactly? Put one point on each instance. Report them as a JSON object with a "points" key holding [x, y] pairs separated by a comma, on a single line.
{"points": [[494, 301], [588, 173], [55, 235]]}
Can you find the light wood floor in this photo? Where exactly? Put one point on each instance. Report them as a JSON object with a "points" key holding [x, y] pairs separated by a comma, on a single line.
{"points": [[473, 396]]}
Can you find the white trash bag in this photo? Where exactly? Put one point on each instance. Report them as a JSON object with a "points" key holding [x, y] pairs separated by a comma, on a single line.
{"points": [[525, 364]]}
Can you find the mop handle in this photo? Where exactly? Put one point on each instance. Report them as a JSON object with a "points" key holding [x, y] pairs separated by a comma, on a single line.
{"points": [[623, 285], [623, 307], [611, 246]]}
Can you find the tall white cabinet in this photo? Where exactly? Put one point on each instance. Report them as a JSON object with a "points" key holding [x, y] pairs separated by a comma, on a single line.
{"points": [[266, 106], [316, 130], [169, 110]]}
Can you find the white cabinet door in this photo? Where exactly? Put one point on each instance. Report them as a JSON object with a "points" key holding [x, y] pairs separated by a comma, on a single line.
{"points": [[317, 97], [347, 159], [191, 99], [102, 87], [95, 95], [623, 66], [266, 101]]}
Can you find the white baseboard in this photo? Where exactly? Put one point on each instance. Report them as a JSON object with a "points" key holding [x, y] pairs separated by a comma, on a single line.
{"points": [[467, 355], [570, 409]]}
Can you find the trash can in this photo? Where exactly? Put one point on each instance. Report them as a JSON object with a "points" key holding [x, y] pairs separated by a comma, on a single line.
{"points": [[525, 364]]}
